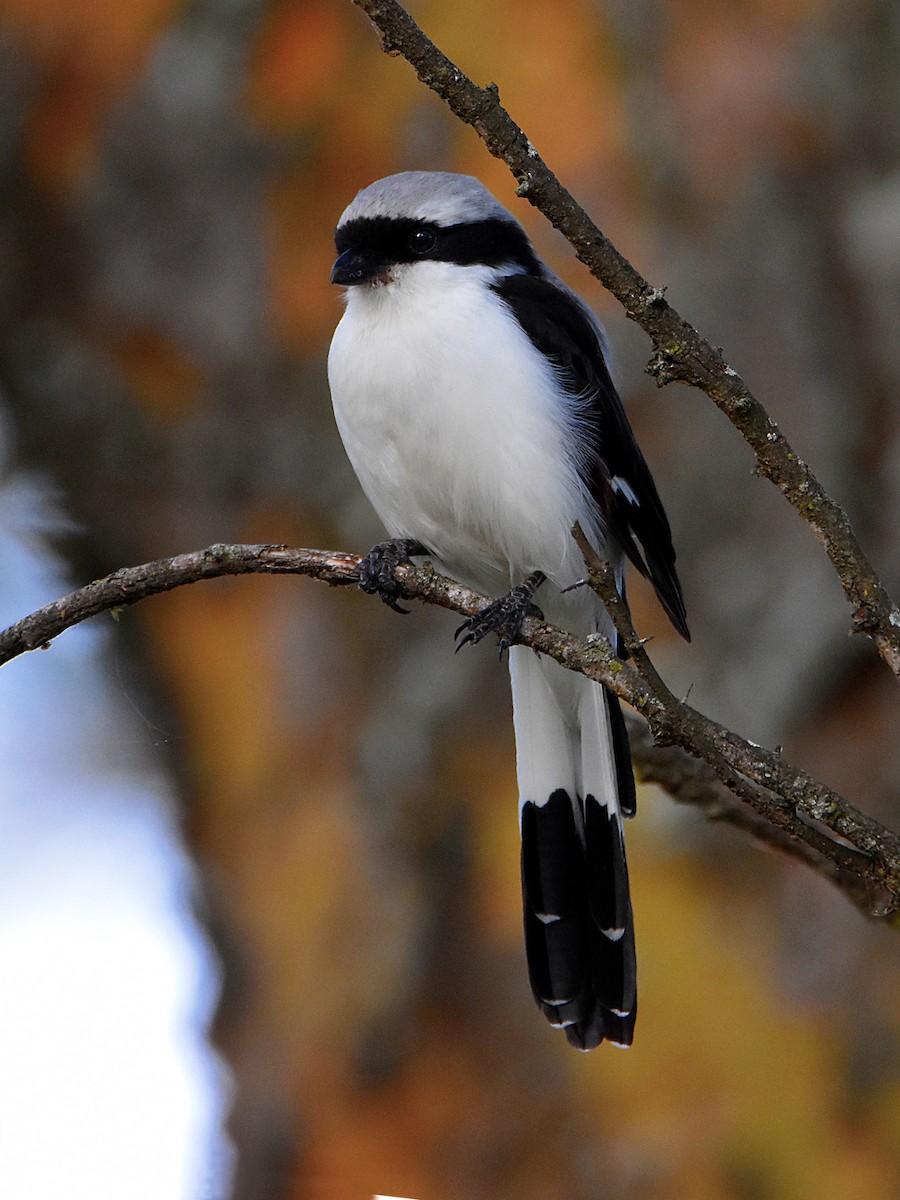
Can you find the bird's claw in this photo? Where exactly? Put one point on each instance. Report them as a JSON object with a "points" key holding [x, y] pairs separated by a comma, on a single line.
{"points": [[503, 617], [377, 570]]}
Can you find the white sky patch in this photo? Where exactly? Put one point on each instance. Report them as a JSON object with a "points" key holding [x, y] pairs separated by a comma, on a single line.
{"points": [[107, 1088]]}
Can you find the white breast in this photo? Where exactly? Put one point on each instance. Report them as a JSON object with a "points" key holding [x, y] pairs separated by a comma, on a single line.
{"points": [[455, 426]]}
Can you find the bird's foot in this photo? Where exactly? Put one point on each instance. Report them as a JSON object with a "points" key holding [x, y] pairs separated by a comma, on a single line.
{"points": [[503, 617], [377, 569]]}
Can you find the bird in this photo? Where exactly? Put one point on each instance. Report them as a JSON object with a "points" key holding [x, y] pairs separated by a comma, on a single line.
{"points": [[472, 391]]}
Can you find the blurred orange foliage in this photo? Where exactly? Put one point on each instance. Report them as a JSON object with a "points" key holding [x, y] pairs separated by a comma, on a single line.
{"points": [[301, 50], [161, 376], [89, 52], [734, 1088]]}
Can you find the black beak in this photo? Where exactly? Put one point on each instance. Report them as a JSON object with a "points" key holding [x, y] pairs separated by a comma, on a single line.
{"points": [[353, 267]]}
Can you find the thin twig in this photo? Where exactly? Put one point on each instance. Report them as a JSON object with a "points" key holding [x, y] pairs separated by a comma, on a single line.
{"points": [[771, 786], [784, 797], [693, 783], [679, 352]]}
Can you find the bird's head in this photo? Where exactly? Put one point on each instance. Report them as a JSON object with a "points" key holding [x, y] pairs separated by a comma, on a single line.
{"points": [[420, 217]]}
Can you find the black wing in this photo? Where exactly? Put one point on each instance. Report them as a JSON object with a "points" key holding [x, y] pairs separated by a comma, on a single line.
{"points": [[615, 471]]}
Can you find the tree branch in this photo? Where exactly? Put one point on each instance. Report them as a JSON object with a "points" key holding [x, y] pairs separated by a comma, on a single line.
{"points": [[692, 782], [789, 808], [679, 352]]}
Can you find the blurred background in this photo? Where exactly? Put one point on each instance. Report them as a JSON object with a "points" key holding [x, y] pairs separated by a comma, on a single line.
{"points": [[259, 911]]}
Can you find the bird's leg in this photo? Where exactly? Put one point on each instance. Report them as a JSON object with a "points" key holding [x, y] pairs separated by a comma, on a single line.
{"points": [[376, 570], [504, 616]]}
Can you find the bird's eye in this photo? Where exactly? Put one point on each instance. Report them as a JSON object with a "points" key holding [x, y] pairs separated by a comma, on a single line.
{"points": [[421, 241]]}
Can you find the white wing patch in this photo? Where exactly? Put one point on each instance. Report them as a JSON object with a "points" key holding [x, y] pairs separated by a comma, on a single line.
{"points": [[624, 487]]}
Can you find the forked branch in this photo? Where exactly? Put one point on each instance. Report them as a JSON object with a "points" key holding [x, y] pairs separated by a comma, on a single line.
{"points": [[790, 810]]}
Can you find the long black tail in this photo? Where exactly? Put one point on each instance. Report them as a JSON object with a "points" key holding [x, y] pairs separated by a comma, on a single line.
{"points": [[579, 928]]}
